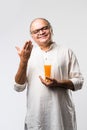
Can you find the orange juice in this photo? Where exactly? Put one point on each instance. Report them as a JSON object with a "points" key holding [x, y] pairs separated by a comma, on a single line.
{"points": [[47, 70]]}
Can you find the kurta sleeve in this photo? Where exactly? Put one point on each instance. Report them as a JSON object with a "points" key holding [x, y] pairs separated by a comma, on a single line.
{"points": [[19, 87], [74, 71]]}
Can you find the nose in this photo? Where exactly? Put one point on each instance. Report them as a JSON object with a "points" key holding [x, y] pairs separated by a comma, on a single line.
{"points": [[41, 32]]}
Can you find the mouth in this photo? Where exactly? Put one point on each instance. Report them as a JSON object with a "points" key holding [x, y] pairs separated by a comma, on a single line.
{"points": [[43, 36]]}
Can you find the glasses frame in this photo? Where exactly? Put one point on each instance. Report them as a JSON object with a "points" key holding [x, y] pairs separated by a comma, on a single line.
{"points": [[37, 31]]}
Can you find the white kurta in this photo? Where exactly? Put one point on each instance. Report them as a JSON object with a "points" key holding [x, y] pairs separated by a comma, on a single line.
{"points": [[51, 108]]}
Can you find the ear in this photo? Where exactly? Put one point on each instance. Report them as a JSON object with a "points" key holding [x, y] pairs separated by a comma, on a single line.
{"points": [[51, 31]]}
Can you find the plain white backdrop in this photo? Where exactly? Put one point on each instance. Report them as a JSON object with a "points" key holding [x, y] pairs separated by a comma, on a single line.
{"points": [[69, 21]]}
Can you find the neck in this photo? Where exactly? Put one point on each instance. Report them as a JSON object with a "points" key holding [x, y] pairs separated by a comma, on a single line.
{"points": [[46, 47]]}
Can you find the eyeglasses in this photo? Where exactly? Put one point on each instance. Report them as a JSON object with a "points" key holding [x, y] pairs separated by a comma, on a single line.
{"points": [[41, 29]]}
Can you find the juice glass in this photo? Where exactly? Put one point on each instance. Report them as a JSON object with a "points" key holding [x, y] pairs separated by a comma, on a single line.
{"points": [[47, 71]]}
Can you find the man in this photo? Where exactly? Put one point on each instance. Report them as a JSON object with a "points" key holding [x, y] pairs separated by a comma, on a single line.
{"points": [[49, 99]]}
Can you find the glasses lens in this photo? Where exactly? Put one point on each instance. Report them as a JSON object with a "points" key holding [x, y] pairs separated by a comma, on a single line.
{"points": [[41, 29]]}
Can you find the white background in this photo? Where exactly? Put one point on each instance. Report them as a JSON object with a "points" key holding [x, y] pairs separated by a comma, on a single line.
{"points": [[69, 21]]}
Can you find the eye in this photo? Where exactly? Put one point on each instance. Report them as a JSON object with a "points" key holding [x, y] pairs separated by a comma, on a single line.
{"points": [[36, 31], [45, 28]]}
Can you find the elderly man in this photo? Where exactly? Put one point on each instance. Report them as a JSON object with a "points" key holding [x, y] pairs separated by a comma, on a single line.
{"points": [[49, 98]]}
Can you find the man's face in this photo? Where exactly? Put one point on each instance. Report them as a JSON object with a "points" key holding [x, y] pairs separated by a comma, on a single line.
{"points": [[41, 32]]}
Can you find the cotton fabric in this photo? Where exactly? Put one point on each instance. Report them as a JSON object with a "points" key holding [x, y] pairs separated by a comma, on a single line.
{"points": [[51, 108]]}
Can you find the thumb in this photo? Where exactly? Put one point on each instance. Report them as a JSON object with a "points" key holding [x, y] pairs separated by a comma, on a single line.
{"points": [[17, 48]]}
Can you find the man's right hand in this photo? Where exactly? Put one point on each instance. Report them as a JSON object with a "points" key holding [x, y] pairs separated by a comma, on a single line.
{"points": [[25, 52]]}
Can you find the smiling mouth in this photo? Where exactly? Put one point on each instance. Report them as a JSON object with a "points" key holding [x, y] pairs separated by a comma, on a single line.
{"points": [[43, 36]]}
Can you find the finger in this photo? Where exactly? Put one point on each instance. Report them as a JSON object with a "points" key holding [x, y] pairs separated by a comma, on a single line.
{"points": [[42, 80], [17, 48], [47, 78], [27, 45], [45, 82]]}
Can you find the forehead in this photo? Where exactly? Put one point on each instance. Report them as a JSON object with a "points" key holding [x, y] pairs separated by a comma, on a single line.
{"points": [[38, 24]]}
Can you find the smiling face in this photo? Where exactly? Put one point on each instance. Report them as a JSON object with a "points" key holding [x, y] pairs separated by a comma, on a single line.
{"points": [[41, 32]]}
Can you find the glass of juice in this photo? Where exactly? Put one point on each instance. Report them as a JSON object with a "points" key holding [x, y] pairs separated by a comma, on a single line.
{"points": [[47, 71]]}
